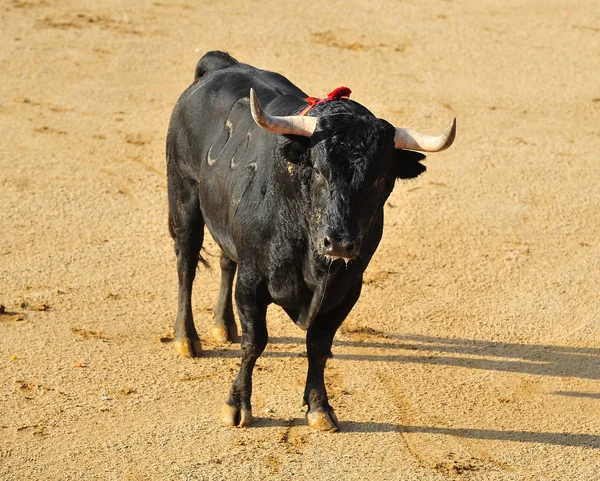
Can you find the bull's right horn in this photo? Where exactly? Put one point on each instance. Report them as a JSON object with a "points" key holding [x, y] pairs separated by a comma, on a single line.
{"points": [[412, 140], [291, 125]]}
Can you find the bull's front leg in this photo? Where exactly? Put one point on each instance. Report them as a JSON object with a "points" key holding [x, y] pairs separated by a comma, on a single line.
{"points": [[319, 339], [251, 300]]}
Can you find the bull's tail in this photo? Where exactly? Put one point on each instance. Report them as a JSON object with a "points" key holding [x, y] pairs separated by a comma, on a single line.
{"points": [[211, 61]]}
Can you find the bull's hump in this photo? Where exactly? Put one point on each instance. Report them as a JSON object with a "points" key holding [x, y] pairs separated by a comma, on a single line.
{"points": [[232, 137]]}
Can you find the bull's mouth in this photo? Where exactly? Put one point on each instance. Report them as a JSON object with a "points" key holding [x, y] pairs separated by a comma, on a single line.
{"points": [[335, 258], [329, 261]]}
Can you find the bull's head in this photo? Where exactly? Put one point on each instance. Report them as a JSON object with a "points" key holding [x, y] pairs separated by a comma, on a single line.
{"points": [[354, 161]]}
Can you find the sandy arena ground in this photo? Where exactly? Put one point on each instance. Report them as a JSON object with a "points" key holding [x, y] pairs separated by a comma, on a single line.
{"points": [[474, 352]]}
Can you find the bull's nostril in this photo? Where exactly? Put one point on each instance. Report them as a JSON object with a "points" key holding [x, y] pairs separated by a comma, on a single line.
{"points": [[327, 243], [350, 248]]}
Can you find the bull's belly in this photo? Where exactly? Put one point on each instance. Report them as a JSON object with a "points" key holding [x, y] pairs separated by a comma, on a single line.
{"points": [[222, 238]]}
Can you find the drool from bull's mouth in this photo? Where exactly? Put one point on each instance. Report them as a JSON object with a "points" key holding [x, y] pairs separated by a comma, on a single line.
{"points": [[288, 186]]}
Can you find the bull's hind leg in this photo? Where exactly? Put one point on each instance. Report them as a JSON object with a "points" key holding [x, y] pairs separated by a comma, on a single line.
{"points": [[225, 329], [187, 228], [252, 310], [319, 338]]}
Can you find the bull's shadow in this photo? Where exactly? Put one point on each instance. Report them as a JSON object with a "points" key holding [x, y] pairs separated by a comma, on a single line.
{"points": [[555, 438], [538, 359]]}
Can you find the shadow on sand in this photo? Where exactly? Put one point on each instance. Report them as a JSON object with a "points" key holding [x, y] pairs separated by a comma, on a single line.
{"points": [[539, 359], [346, 427]]}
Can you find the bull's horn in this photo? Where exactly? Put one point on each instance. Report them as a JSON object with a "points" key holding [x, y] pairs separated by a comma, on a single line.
{"points": [[292, 125], [412, 140]]}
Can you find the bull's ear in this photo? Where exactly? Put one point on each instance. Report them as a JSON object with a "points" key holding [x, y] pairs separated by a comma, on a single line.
{"points": [[407, 164], [295, 149]]}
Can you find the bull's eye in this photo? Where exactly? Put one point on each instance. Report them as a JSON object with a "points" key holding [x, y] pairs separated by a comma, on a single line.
{"points": [[318, 173]]}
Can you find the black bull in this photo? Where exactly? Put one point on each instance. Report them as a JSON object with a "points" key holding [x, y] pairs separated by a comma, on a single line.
{"points": [[294, 202]]}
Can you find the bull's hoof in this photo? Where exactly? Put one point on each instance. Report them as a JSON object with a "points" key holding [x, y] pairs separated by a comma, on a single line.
{"points": [[225, 334], [323, 421], [188, 347], [232, 416]]}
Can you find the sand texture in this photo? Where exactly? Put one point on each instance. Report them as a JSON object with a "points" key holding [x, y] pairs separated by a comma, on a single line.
{"points": [[474, 351]]}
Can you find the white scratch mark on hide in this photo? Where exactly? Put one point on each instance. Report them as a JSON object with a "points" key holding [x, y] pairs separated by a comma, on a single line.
{"points": [[210, 160]]}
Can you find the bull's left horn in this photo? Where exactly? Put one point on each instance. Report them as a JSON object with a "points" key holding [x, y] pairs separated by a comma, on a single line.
{"points": [[291, 125], [412, 140]]}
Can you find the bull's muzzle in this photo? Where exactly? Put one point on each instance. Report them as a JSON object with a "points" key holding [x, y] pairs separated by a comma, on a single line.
{"points": [[346, 249]]}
